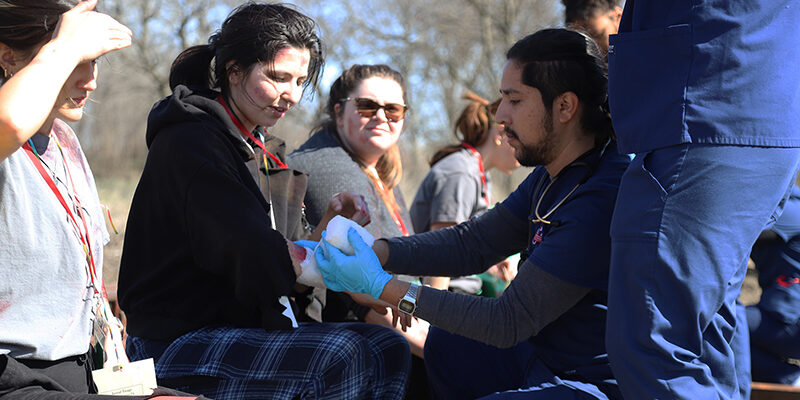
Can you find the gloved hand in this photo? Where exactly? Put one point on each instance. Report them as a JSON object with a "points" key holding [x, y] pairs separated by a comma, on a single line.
{"points": [[360, 273]]}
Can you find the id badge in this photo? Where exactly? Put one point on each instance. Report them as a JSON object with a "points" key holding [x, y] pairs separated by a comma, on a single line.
{"points": [[132, 379], [100, 323], [99, 332]]}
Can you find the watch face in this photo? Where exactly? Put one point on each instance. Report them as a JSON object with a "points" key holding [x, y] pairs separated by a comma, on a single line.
{"points": [[406, 306]]}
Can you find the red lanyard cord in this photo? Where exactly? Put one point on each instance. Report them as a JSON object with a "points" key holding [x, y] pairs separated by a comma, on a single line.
{"points": [[250, 136], [484, 189], [82, 234], [398, 220]]}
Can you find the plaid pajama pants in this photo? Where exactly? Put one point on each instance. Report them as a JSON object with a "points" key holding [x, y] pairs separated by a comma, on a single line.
{"points": [[314, 361]]}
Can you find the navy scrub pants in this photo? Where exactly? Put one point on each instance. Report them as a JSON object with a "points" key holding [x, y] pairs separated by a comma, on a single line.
{"points": [[685, 220]]}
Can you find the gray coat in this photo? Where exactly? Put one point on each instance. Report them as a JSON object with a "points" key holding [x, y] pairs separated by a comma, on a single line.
{"points": [[331, 170]]}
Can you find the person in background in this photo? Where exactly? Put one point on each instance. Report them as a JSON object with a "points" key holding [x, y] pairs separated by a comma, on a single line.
{"points": [[355, 149], [458, 188], [706, 95], [51, 219], [598, 18], [775, 321], [206, 270], [544, 336]]}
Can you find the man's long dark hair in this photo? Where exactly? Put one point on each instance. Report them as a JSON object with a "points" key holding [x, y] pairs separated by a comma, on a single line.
{"points": [[556, 61]]}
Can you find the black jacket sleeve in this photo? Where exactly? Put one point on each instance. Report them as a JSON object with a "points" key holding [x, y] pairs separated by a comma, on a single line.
{"points": [[229, 235]]}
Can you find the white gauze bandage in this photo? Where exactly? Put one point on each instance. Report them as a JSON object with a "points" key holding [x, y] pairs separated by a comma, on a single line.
{"points": [[311, 275], [335, 235]]}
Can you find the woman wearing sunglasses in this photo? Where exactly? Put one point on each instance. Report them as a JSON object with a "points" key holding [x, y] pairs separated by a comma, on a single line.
{"points": [[355, 149], [206, 271]]}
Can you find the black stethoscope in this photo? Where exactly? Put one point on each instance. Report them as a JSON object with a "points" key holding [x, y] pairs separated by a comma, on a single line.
{"points": [[536, 217]]}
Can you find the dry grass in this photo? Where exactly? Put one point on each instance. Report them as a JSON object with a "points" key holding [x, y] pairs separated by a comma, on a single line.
{"points": [[116, 193], [751, 292]]}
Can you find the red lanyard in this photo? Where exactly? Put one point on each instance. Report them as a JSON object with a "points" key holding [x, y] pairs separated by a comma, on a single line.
{"points": [[484, 189], [82, 234], [250, 136], [399, 221]]}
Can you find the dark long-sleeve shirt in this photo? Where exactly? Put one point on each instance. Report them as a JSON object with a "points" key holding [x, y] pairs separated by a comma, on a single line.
{"points": [[558, 299]]}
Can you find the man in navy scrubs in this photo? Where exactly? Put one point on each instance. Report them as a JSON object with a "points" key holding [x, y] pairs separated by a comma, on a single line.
{"points": [[544, 337], [707, 94]]}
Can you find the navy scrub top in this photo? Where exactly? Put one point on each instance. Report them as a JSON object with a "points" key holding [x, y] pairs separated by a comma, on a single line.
{"points": [[719, 72], [577, 250]]}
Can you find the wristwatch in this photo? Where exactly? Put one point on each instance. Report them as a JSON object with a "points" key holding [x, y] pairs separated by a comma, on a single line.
{"points": [[409, 302]]}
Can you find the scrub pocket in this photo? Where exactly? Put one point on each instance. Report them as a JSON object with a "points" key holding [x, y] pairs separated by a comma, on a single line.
{"points": [[648, 76], [643, 193]]}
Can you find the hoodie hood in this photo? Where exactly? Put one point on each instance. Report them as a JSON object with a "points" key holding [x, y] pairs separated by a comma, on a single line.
{"points": [[193, 104]]}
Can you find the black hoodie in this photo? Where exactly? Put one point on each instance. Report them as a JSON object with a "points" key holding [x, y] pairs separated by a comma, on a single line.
{"points": [[199, 250]]}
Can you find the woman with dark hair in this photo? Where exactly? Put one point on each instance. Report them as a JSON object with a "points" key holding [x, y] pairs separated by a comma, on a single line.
{"points": [[355, 149], [51, 219], [457, 187], [206, 270]]}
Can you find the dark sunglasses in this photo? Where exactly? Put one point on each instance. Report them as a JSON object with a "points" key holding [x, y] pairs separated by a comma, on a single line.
{"points": [[368, 108]]}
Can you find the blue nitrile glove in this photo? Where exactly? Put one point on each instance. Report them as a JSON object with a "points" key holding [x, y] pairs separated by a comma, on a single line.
{"points": [[360, 273], [307, 243]]}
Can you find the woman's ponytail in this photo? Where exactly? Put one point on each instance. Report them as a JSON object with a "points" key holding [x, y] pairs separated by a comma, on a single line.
{"points": [[192, 67]]}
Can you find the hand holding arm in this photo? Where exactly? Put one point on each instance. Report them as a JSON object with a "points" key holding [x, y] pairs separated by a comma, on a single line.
{"points": [[377, 305], [411, 328], [415, 333], [347, 204], [380, 307], [505, 270]]}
